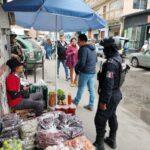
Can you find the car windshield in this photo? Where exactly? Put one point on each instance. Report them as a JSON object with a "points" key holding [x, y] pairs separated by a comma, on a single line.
{"points": [[32, 43]]}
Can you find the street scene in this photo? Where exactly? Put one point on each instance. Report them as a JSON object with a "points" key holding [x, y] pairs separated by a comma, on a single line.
{"points": [[74, 75]]}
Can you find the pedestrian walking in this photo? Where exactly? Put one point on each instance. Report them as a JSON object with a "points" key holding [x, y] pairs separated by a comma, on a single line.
{"points": [[86, 69], [48, 48], [62, 47], [72, 59], [109, 94]]}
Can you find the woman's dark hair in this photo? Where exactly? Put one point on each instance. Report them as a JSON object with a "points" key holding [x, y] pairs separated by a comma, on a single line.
{"points": [[13, 64], [83, 37], [73, 39]]}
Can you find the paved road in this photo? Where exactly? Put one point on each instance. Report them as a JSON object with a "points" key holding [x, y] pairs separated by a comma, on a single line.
{"points": [[133, 133]]}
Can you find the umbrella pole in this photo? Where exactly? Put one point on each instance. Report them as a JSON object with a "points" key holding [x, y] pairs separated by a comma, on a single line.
{"points": [[56, 61]]}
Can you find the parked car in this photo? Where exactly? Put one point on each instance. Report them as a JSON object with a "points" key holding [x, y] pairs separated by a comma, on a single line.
{"points": [[32, 51], [140, 59]]}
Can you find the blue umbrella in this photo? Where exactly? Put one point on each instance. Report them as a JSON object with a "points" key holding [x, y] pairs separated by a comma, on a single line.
{"points": [[47, 22], [55, 15], [72, 15], [23, 5]]}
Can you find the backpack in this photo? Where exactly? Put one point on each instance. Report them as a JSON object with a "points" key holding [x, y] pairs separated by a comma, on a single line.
{"points": [[124, 68]]}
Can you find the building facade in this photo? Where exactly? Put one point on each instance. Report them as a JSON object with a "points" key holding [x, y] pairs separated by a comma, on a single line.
{"points": [[113, 11], [137, 29], [5, 20]]}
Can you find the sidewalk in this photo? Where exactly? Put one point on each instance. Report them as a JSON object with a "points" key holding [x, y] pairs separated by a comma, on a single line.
{"points": [[133, 133]]}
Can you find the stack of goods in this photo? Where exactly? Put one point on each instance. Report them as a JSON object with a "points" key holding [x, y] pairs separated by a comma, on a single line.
{"points": [[70, 125], [11, 124], [28, 130], [58, 147], [79, 143], [68, 109], [57, 127], [12, 144], [64, 105]]}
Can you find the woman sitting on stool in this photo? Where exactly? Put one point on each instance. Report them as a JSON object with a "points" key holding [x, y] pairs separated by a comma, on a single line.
{"points": [[15, 92]]}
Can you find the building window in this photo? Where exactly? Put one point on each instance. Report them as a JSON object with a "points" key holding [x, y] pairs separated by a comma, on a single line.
{"points": [[140, 4], [104, 12], [116, 5], [134, 36]]}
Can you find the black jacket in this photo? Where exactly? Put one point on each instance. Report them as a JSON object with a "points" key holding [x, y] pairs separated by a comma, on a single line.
{"points": [[109, 80], [86, 60], [61, 50]]}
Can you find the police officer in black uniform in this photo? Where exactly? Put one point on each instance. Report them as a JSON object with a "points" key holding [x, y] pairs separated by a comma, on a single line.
{"points": [[109, 94]]}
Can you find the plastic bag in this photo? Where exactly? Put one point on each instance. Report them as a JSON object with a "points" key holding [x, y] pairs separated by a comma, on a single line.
{"points": [[10, 122], [28, 131], [51, 137], [58, 147], [79, 143], [28, 128]]}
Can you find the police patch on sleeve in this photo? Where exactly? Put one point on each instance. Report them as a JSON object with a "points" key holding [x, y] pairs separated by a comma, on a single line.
{"points": [[109, 74]]}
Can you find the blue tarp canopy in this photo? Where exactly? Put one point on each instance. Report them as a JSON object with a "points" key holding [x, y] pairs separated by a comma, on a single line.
{"points": [[55, 15]]}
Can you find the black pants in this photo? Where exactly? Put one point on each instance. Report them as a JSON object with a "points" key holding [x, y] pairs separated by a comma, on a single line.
{"points": [[109, 115], [35, 101]]}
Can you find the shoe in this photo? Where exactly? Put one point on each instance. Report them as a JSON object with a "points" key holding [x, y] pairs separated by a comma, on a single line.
{"points": [[75, 103], [99, 143], [88, 107], [110, 142]]}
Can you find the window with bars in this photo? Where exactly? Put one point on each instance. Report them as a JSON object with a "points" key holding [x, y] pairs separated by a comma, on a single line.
{"points": [[140, 4]]}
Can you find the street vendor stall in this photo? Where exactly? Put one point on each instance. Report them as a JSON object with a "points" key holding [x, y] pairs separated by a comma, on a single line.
{"points": [[59, 129]]}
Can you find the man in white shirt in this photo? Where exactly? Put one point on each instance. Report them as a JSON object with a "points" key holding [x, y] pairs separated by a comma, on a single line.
{"points": [[145, 46]]}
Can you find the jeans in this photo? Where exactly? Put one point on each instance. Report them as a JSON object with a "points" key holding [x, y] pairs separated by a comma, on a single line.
{"points": [[86, 79], [65, 67]]}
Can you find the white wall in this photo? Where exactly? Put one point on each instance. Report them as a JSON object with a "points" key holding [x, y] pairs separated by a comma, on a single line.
{"points": [[4, 56], [128, 7]]}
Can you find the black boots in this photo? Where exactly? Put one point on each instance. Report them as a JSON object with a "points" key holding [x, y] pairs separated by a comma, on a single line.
{"points": [[111, 140], [99, 143]]}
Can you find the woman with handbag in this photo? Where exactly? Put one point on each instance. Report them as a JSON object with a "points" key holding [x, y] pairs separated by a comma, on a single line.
{"points": [[18, 96], [72, 59]]}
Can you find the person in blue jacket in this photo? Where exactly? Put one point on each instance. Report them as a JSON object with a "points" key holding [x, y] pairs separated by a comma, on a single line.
{"points": [[86, 69], [48, 48]]}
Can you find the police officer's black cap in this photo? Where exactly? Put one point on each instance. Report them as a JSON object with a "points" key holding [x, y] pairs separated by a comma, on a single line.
{"points": [[111, 42], [107, 41], [13, 63]]}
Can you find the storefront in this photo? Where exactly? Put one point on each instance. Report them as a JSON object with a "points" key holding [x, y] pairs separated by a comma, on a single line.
{"points": [[137, 29], [114, 28]]}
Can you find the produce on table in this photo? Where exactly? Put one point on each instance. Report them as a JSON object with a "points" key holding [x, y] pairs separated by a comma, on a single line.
{"points": [[12, 144], [52, 99], [28, 130], [57, 127], [60, 94], [79, 143], [11, 124]]}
